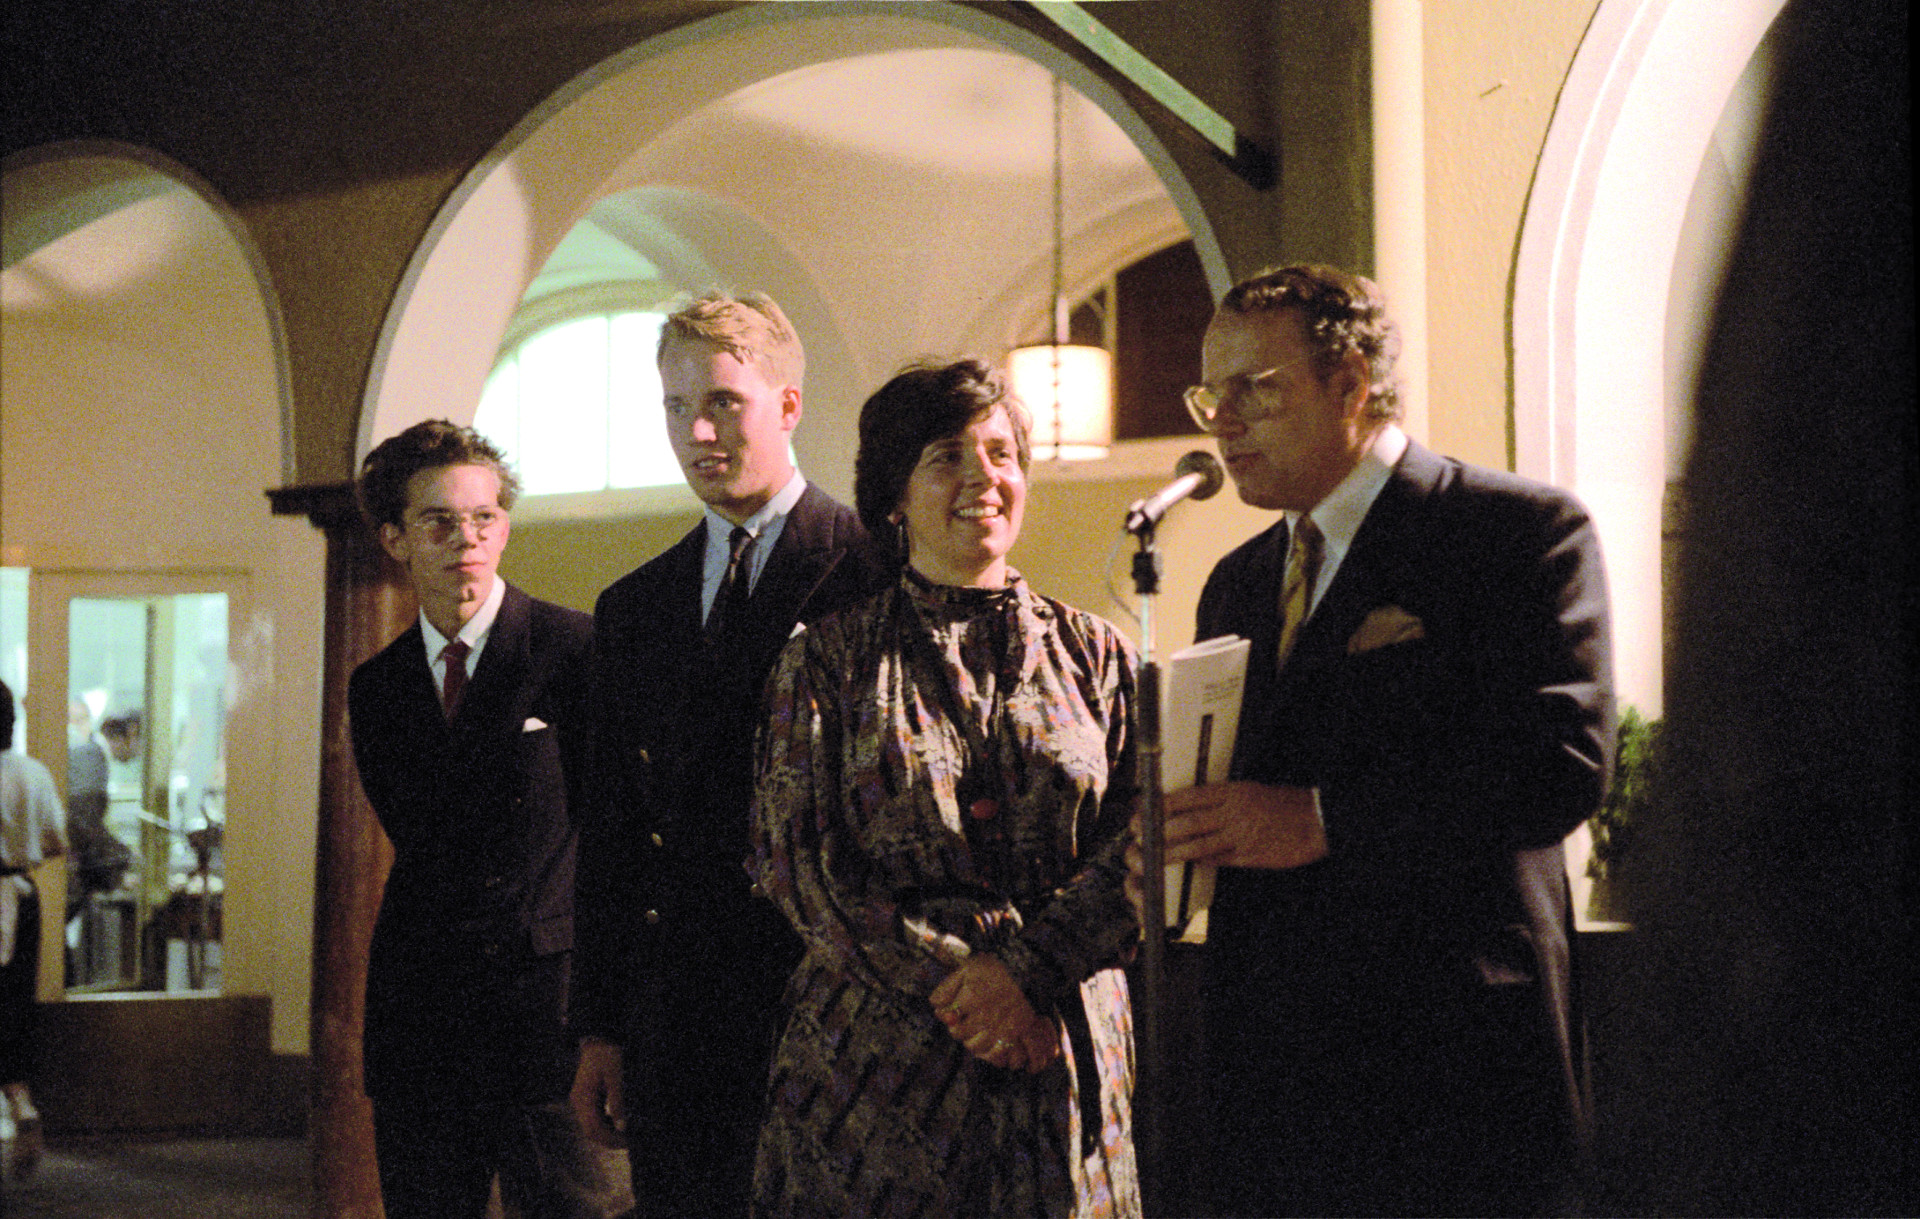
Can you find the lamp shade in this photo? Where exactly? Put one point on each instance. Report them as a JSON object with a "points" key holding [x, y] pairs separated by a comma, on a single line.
{"points": [[1077, 423]]}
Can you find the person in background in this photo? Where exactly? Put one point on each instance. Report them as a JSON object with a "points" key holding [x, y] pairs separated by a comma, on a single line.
{"points": [[469, 732], [99, 861], [681, 964], [1390, 1002], [32, 831], [945, 783]]}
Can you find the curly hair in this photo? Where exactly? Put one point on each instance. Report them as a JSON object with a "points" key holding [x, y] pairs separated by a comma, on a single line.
{"points": [[382, 486], [749, 325], [1344, 314], [922, 403]]}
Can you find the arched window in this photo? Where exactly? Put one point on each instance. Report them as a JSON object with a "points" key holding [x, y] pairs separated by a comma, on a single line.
{"points": [[576, 406]]}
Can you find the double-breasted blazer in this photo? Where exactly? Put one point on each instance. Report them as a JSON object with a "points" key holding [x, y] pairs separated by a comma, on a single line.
{"points": [[666, 904], [467, 983], [1396, 1026]]}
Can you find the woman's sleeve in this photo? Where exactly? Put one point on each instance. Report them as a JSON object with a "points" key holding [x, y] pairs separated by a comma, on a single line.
{"points": [[806, 856], [1089, 925]]}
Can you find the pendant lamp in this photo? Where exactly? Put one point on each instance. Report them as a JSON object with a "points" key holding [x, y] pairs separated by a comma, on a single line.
{"points": [[1067, 388]]}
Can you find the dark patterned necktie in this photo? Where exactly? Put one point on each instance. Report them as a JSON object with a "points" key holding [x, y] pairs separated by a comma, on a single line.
{"points": [[455, 654], [730, 602], [1296, 596]]}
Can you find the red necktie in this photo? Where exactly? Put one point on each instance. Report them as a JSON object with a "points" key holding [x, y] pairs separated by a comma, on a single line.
{"points": [[455, 654]]}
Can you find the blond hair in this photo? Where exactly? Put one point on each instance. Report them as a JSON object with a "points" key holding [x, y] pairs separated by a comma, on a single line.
{"points": [[750, 326]]}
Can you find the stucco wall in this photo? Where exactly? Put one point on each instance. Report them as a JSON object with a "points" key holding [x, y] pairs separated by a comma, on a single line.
{"points": [[1494, 70]]}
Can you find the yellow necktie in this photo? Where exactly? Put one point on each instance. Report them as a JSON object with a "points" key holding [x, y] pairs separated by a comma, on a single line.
{"points": [[1296, 595]]}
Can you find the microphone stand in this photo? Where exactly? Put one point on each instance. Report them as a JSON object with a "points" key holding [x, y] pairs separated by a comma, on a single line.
{"points": [[1150, 1135]]}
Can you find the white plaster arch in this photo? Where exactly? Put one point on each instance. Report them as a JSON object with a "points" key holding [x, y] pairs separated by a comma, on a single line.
{"points": [[53, 190], [498, 227], [1595, 274]]}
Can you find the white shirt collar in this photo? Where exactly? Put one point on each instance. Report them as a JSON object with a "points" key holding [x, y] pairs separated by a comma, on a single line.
{"points": [[773, 512], [474, 631], [1339, 515], [765, 525]]}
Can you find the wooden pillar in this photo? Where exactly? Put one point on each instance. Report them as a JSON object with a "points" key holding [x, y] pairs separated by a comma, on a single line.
{"points": [[368, 604]]}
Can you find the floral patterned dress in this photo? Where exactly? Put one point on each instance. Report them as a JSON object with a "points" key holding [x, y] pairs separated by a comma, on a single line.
{"points": [[864, 835]]}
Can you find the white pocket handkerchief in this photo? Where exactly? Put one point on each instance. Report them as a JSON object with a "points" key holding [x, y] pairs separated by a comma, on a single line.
{"points": [[534, 724], [1387, 625]]}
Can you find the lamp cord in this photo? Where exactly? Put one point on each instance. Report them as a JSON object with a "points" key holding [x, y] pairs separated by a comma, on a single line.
{"points": [[1059, 270]]}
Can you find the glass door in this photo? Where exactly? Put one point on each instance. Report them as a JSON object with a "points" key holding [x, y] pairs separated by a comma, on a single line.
{"points": [[146, 697]]}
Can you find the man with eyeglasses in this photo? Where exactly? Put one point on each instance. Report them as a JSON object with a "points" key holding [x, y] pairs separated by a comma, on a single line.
{"points": [[470, 731], [682, 962], [1389, 1000]]}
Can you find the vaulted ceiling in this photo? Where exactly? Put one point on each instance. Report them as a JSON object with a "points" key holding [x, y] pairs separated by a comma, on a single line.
{"points": [[914, 187]]}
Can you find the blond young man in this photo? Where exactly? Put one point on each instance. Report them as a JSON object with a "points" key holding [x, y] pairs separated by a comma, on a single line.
{"points": [[682, 964]]}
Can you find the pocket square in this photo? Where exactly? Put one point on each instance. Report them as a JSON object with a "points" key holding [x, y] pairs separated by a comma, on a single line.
{"points": [[534, 724], [1387, 625]]}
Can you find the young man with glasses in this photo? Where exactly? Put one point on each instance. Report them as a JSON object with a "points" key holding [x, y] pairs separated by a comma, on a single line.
{"points": [[470, 735], [1389, 997]]}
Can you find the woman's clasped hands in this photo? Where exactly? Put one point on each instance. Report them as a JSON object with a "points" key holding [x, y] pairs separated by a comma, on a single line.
{"points": [[985, 1011]]}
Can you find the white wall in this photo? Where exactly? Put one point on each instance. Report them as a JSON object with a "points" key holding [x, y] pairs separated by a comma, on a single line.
{"points": [[1603, 267]]}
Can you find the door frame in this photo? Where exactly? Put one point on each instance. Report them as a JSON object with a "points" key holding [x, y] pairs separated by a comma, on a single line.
{"points": [[49, 591]]}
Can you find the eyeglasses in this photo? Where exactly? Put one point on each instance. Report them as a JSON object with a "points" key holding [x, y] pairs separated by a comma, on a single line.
{"points": [[1255, 396], [441, 525]]}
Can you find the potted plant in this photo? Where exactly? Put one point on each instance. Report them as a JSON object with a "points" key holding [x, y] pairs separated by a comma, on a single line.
{"points": [[1636, 760]]}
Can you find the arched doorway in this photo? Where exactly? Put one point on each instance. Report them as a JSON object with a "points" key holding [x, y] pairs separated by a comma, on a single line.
{"points": [[143, 376], [1614, 278], [1635, 199], [886, 235]]}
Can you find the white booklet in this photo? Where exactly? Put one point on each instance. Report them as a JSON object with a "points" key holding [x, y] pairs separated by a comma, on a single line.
{"points": [[1201, 688]]}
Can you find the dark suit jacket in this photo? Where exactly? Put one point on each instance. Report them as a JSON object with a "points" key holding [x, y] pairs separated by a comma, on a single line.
{"points": [[468, 978], [1394, 1027], [97, 861], [667, 915]]}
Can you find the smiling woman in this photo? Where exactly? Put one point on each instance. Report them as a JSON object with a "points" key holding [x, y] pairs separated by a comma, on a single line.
{"points": [[941, 471], [963, 504], [944, 787]]}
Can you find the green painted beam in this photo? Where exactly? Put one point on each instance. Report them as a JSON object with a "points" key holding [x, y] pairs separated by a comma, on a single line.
{"points": [[1246, 157]]}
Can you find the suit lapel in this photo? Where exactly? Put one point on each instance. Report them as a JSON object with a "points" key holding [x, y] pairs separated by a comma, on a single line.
{"points": [[803, 556], [413, 677], [1376, 550], [677, 603], [503, 664], [1256, 609]]}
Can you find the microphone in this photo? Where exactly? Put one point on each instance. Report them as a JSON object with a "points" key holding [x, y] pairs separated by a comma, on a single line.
{"points": [[1197, 476]]}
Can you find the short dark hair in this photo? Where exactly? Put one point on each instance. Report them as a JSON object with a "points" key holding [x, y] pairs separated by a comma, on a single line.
{"points": [[6, 716], [382, 486], [1344, 314], [923, 403], [125, 725]]}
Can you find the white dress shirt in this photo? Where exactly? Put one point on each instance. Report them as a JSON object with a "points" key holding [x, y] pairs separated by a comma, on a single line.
{"points": [[474, 633], [1340, 514], [765, 526]]}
